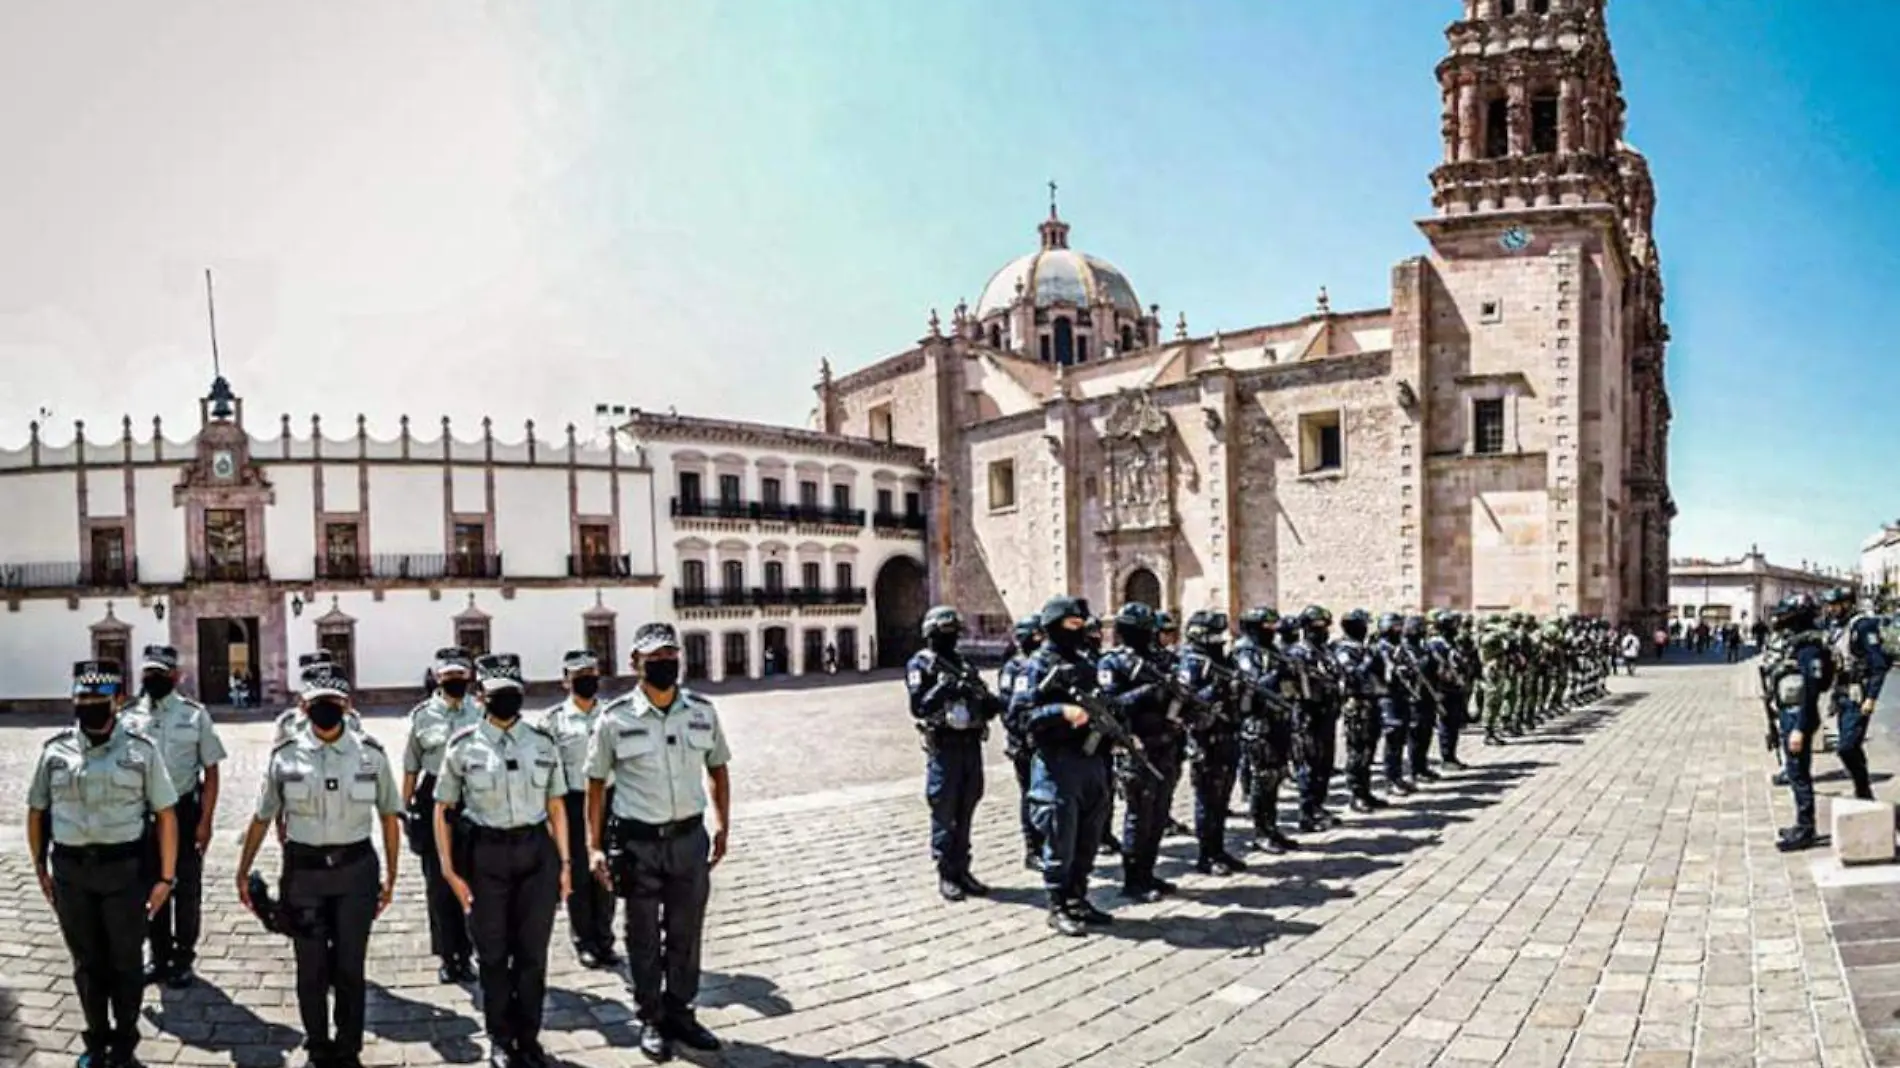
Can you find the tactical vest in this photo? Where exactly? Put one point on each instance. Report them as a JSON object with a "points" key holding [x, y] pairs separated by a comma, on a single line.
{"points": [[1781, 676]]}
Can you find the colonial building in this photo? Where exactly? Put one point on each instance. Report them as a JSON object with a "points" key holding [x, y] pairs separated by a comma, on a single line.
{"points": [[245, 549], [1740, 591], [1880, 564], [1495, 438]]}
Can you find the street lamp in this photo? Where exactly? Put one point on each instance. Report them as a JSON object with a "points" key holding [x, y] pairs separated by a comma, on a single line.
{"points": [[158, 609], [296, 604]]}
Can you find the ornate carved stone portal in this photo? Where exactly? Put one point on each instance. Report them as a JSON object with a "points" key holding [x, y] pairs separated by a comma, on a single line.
{"points": [[1138, 465]]}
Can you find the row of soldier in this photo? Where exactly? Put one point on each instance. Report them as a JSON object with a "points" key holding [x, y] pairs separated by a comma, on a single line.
{"points": [[594, 802], [1082, 721]]}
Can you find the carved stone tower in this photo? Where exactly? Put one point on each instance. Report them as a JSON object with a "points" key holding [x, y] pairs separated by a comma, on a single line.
{"points": [[1542, 320]]}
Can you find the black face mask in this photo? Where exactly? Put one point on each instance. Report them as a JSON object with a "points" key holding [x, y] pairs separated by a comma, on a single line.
{"points": [[584, 686], [1067, 641], [505, 705], [661, 674], [93, 716], [454, 689], [326, 716], [1137, 639], [157, 687], [943, 643]]}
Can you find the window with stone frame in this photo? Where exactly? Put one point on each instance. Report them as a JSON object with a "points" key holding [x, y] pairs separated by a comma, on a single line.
{"points": [[689, 487], [472, 635], [1487, 426], [841, 496], [811, 575], [1322, 443], [698, 655], [693, 574], [1002, 484], [886, 501], [738, 658], [732, 575], [844, 575], [114, 645], [771, 492], [471, 550], [597, 550], [731, 490], [599, 635], [807, 493], [225, 544], [1544, 123], [340, 643], [108, 557], [1497, 128], [341, 551], [774, 576], [913, 503]]}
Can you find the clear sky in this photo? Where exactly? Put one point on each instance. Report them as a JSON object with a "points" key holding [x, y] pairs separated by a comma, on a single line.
{"points": [[520, 210]]}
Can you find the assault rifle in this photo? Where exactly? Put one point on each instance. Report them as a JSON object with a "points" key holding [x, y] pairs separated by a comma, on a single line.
{"points": [[1249, 689], [1105, 721], [1414, 681], [1181, 696], [971, 687]]}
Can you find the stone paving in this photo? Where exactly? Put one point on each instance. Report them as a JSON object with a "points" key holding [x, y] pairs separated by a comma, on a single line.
{"points": [[1607, 893]]}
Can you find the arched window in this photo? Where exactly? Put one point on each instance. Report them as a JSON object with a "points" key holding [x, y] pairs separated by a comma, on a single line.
{"points": [[1128, 338], [734, 576], [996, 337], [1064, 342], [1497, 128]]}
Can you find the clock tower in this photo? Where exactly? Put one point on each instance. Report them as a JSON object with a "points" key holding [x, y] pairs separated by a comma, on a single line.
{"points": [[1539, 327]]}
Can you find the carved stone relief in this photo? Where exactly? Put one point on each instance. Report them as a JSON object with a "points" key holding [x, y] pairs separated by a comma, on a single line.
{"points": [[1138, 465]]}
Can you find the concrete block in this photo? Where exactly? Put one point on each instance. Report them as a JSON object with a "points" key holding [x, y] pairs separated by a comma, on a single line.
{"points": [[1863, 831]]}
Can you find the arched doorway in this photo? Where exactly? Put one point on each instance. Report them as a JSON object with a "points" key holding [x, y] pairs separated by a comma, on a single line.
{"points": [[1142, 586], [901, 604]]}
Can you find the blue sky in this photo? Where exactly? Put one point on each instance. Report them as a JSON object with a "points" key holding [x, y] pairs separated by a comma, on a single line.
{"points": [[523, 210]]}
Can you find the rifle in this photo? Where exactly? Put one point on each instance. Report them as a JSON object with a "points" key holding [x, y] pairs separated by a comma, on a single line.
{"points": [[1105, 721], [1407, 678], [1249, 688], [1180, 694], [969, 683]]}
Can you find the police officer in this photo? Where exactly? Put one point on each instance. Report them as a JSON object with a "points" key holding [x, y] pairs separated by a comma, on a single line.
{"points": [[1862, 661], [431, 724], [1395, 706], [1266, 725], [188, 742], [1092, 645], [1796, 679], [950, 709], [1458, 668], [1069, 785], [660, 747], [295, 718], [1216, 742], [1021, 754], [509, 869], [1167, 644], [1309, 657], [333, 786], [1425, 679], [1362, 683], [590, 906], [1132, 679], [95, 785]]}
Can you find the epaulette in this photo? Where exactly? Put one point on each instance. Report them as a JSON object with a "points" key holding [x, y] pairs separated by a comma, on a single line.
{"points": [[542, 731], [285, 744], [199, 705], [463, 733], [138, 735], [693, 697], [370, 740], [419, 706], [59, 736]]}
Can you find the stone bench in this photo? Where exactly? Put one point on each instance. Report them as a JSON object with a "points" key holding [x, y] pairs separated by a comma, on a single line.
{"points": [[1862, 830]]}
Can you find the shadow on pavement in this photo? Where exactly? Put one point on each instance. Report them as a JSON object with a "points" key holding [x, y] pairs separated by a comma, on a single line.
{"points": [[204, 1017], [15, 1046], [394, 1018]]}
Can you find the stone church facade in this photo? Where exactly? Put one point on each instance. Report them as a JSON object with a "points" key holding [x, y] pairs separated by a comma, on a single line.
{"points": [[1496, 438]]}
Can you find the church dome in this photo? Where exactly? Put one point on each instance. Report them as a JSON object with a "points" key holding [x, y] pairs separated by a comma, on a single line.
{"points": [[1057, 274]]}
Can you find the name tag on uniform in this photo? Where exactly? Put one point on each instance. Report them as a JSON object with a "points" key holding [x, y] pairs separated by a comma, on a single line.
{"points": [[635, 732], [697, 725], [544, 763], [366, 776], [329, 784]]}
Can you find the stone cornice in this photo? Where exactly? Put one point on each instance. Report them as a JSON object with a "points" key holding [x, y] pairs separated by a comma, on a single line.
{"points": [[890, 367], [647, 427]]}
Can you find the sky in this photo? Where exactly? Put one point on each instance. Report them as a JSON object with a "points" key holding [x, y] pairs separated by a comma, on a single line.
{"points": [[522, 210]]}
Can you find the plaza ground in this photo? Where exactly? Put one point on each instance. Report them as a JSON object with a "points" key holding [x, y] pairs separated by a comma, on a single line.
{"points": [[1605, 893]]}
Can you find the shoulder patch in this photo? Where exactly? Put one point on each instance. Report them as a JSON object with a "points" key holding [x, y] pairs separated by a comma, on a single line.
{"points": [[59, 736], [371, 741], [463, 733], [285, 744], [419, 706], [542, 731], [137, 734]]}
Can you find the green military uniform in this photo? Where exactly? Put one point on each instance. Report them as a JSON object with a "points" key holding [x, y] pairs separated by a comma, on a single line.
{"points": [[1494, 653], [96, 785]]}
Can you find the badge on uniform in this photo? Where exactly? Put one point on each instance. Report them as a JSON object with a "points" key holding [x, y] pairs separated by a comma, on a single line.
{"points": [[329, 784], [514, 765]]}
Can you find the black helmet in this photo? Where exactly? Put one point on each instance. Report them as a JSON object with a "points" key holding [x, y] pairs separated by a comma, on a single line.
{"points": [[1390, 623], [1289, 628], [1259, 622], [943, 621], [1206, 626], [1795, 612], [1315, 616], [1356, 623], [1414, 626], [1838, 596], [1028, 633], [1135, 615], [1059, 608], [1165, 624]]}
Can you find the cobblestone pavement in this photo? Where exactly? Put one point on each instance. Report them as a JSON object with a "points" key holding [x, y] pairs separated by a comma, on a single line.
{"points": [[1607, 893]]}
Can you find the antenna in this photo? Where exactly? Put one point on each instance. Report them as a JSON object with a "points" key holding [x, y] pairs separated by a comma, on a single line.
{"points": [[211, 306]]}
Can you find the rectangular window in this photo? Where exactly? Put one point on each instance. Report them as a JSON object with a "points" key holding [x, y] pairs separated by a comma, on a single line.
{"points": [[807, 494], [734, 576], [689, 486], [1487, 426], [698, 656], [913, 503], [881, 425], [693, 574], [471, 540], [108, 557], [1543, 124], [843, 572], [774, 576], [224, 544], [1497, 128], [600, 642], [1081, 350], [1002, 484], [340, 550], [771, 492], [841, 497], [729, 490], [811, 575], [1322, 443], [472, 636], [885, 501]]}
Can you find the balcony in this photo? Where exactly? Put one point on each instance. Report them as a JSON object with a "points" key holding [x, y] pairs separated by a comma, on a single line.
{"points": [[701, 597], [898, 521], [588, 565], [98, 576], [773, 512], [700, 508], [768, 597], [408, 567], [248, 569]]}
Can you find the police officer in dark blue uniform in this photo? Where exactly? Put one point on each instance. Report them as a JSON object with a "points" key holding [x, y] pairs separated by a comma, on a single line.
{"points": [[1216, 742], [1133, 679], [1069, 783], [952, 709], [1309, 657], [1021, 754], [1424, 678], [1092, 644], [1456, 666], [1362, 683], [1799, 674], [1854, 638], [1266, 725], [1395, 705]]}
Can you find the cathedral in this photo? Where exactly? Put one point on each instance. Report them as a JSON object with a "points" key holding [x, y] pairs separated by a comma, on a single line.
{"points": [[1494, 439]]}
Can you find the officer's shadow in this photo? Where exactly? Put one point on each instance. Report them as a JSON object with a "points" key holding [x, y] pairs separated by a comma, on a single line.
{"points": [[394, 1018], [204, 1017], [613, 1020]]}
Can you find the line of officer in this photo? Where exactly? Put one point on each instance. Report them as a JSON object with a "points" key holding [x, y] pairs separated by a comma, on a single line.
{"points": [[296, 718], [1069, 784], [1395, 705], [1266, 729], [1216, 741], [95, 785], [333, 786], [951, 711], [660, 747], [1362, 682], [590, 906], [431, 724], [1854, 638], [1126, 678], [188, 743], [504, 778], [1016, 733], [1310, 658]]}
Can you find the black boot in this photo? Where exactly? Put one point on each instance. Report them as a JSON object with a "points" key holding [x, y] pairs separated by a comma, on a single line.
{"points": [[1794, 839], [1062, 921]]}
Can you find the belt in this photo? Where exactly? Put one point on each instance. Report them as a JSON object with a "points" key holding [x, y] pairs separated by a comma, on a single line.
{"points": [[100, 854], [298, 855], [640, 831], [479, 833]]}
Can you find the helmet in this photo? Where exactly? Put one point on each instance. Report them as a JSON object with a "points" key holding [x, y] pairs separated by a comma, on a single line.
{"points": [[1059, 608], [1135, 616], [944, 621], [1206, 626], [1355, 624], [1026, 630], [1390, 623], [1289, 628], [1259, 621], [1165, 624], [1796, 611], [1839, 595], [1414, 626], [1316, 617]]}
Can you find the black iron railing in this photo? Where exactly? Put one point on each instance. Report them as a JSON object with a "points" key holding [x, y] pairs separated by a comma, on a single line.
{"points": [[760, 511], [589, 565], [767, 597], [898, 520], [247, 569], [99, 576], [408, 567]]}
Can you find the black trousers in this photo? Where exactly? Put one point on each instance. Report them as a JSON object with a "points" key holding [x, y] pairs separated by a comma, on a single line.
{"points": [[516, 879], [1266, 750], [665, 882], [99, 898], [1361, 718], [1424, 727], [1213, 780], [174, 930], [1315, 745], [448, 925], [1145, 816], [590, 906], [330, 900], [953, 784], [1024, 759]]}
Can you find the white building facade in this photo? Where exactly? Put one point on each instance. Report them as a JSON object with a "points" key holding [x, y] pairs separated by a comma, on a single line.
{"points": [[1739, 591], [245, 549], [1880, 565]]}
